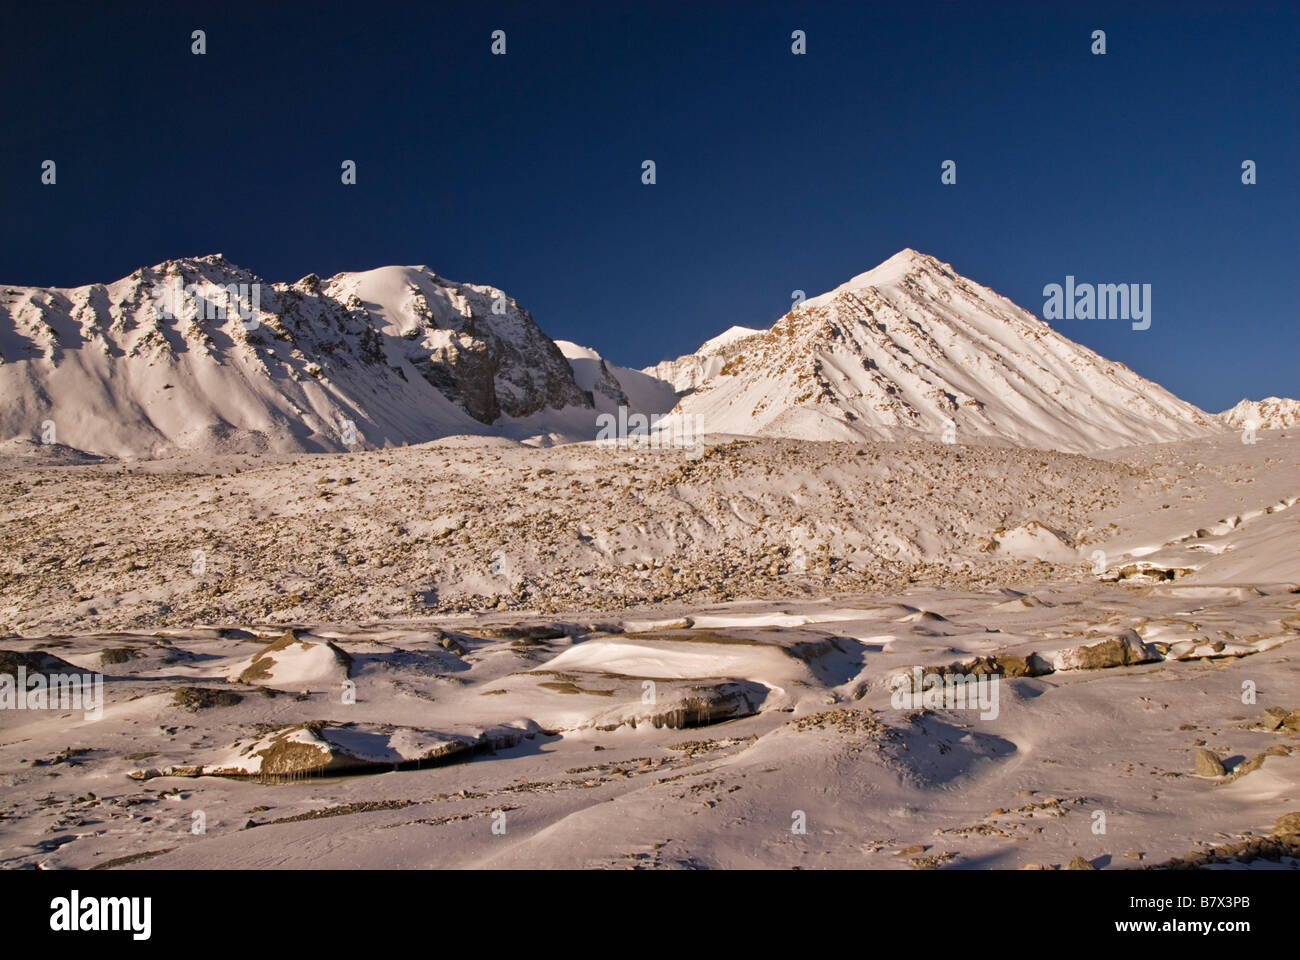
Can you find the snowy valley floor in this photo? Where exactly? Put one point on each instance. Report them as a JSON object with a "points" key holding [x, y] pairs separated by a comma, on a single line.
{"points": [[473, 653]]}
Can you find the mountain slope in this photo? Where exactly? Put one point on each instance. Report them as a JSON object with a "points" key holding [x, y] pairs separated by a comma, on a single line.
{"points": [[688, 372], [908, 348], [151, 366], [613, 386], [593, 374], [1271, 413], [161, 362]]}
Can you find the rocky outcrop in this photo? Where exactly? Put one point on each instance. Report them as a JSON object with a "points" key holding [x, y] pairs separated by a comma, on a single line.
{"points": [[1122, 651], [1271, 413], [1207, 764], [321, 747], [290, 663]]}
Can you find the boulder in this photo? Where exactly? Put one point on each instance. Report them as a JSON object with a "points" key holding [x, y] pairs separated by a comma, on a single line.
{"points": [[322, 747], [291, 663], [34, 661], [1122, 651], [1207, 764], [1288, 825]]}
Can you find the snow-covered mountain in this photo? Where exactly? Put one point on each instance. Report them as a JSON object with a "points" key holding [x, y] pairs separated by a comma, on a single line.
{"points": [[201, 355], [688, 372], [912, 349], [1271, 413], [612, 386], [593, 374]]}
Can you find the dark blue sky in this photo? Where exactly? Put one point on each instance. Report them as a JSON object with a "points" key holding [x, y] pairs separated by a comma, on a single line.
{"points": [[775, 171]]}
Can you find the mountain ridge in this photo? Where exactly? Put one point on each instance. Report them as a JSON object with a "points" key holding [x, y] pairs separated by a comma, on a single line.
{"points": [[145, 366], [1270, 413], [913, 350], [908, 350]]}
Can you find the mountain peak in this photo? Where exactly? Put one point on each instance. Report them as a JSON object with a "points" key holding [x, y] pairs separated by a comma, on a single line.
{"points": [[912, 350], [161, 361], [911, 255], [902, 265], [1271, 413]]}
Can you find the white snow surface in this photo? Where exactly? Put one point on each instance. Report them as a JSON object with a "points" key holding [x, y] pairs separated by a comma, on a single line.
{"points": [[649, 660]]}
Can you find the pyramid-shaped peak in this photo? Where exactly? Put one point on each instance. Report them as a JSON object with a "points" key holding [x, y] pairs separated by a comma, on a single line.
{"points": [[909, 254], [906, 263], [911, 346]]}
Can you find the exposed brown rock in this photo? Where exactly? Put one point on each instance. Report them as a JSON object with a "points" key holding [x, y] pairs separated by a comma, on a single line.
{"points": [[1206, 764]]}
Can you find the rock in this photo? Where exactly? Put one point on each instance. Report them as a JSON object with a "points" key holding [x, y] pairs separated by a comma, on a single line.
{"points": [[326, 747], [912, 850], [1287, 825], [1207, 764], [1078, 863], [1122, 651], [687, 705], [449, 643], [290, 662], [1004, 664], [520, 631], [1246, 851], [1013, 666], [195, 699], [1280, 718], [35, 661], [1257, 761]]}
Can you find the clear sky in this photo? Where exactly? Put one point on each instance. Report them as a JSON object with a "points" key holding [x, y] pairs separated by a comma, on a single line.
{"points": [[775, 172]]}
